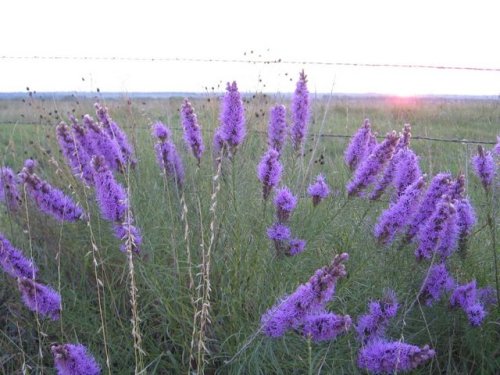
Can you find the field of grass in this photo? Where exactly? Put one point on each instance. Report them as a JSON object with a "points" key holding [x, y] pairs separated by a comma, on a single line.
{"points": [[245, 277]]}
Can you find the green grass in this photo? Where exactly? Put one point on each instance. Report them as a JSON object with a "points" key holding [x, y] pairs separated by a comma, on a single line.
{"points": [[246, 279]]}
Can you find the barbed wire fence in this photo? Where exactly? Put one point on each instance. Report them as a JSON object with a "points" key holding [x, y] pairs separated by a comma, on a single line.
{"points": [[159, 59]]}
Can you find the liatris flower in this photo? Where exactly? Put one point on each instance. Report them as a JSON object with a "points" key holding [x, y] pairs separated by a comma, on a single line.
{"points": [[74, 359], [381, 357], [166, 154], [356, 151], [111, 196], [319, 190], [392, 220], [371, 166], [466, 297], [449, 237], [438, 186], [296, 246], [276, 133], [232, 119], [325, 326], [285, 203], [438, 280], [466, 219], [103, 144], [9, 192], [49, 199], [407, 170], [129, 234], [300, 113], [269, 171], [40, 298], [279, 234], [372, 326], [76, 156], [116, 133], [309, 298], [434, 230], [13, 262], [484, 167], [84, 137], [390, 171], [218, 144], [457, 187], [192, 130]]}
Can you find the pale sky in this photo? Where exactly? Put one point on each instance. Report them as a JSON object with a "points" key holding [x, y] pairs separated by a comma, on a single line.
{"points": [[456, 33]]}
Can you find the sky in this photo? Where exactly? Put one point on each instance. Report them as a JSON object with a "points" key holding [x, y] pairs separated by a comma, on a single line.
{"points": [[443, 33]]}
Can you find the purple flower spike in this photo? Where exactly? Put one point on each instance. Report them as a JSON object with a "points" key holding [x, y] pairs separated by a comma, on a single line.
{"points": [[325, 326], [438, 281], [457, 187], [300, 113], [372, 326], [40, 298], [269, 171], [296, 246], [372, 165], [407, 170], [110, 195], [319, 190], [496, 150], [130, 236], [467, 297], [449, 237], [232, 118], [435, 229], [438, 186], [103, 144], [285, 203], [74, 359], [13, 262], [277, 128], [47, 198], [279, 234], [393, 169], [393, 220], [484, 167], [381, 357], [192, 130], [9, 192], [357, 148], [309, 298], [116, 133], [166, 154], [76, 156]]}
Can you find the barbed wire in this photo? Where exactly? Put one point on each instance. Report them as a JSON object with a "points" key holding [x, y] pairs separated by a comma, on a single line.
{"points": [[253, 61]]}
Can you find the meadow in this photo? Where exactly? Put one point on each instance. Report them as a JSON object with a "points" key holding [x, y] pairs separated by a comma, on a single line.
{"points": [[208, 240]]}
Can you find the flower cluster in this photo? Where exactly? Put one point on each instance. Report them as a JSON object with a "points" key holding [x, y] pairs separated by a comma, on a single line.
{"points": [[166, 154], [113, 203], [378, 354], [9, 192], [371, 166], [75, 154], [13, 262], [358, 148], [269, 171], [116, 134], [319, 190], [47, 198], [192, 130], [438, 280], [468, 298], [277, 128], [300, 113], [484, 167], [232, 119], [304, 310], [74, 359]]}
